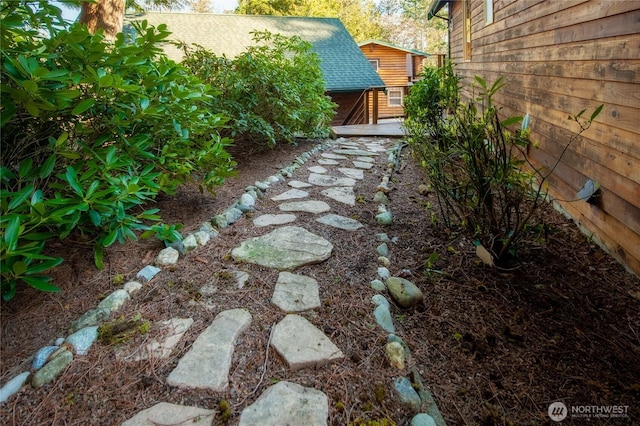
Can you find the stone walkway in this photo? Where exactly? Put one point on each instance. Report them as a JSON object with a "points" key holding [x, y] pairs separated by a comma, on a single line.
{"points": [[285, 247]]}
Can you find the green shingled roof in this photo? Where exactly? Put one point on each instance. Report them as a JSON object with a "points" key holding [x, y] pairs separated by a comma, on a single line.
{"points": [[344, 66]]}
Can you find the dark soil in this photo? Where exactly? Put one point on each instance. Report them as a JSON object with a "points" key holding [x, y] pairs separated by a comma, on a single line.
{"points": [[493, 346]]}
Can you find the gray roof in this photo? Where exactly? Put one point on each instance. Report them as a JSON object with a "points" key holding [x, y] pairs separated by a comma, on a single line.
{"points": [[344, 66]]}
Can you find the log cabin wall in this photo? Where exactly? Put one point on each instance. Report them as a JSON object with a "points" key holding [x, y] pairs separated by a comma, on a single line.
{"points": [[345, 101], [393, 69], [559, 57]]}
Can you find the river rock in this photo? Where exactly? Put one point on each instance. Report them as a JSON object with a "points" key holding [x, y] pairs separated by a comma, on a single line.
{"points": [[52, 369], [422, 419], [395, 355], [404, 292], [148, 272], [13, 386], [82, 339], [190, 243], [41, 356], [384, 218], [407, 394], [131, 287], [93, 317], [115, 300], [168, 256]]}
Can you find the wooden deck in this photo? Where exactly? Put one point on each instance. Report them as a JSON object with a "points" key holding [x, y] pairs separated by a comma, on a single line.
{"points": [[389, 128]]}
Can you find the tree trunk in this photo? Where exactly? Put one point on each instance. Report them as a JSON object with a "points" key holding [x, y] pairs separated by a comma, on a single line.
{"points": [[103, 14]]}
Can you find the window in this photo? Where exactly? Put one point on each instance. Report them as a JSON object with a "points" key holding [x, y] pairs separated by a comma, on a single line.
{"points": [[375, 63], [466, 29], [394, 97], [488, 12]]}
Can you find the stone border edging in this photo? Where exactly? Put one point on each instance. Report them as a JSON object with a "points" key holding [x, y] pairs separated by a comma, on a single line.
{"points": [[410, 392], [50, 361]]}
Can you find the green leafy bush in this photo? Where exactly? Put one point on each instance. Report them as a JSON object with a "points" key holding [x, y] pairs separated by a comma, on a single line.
{"points": [[274, 91], [91, 132], [475, 163], [435, 94]]}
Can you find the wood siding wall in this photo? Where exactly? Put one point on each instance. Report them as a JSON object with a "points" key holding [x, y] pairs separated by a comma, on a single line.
{"points": [[345, 101], [392, 69], [559, 57]]}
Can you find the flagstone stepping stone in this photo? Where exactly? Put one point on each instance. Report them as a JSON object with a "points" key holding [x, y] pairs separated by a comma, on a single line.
{"points": [[324, 162], [165, 413], [285, 248], [342, 194], [295, 293], [334, 156], [366, 159], [376, 148], [287, 403], [317, 169], [340, 222], [310, 206], [298, 184], [171, 330], [325, 180], [355, 152], [352, 173], [273, 219], [303, 345], [206, 365], [362, 165], [290, 195]]}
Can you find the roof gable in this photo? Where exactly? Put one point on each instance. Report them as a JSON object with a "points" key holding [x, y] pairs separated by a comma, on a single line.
{"points": [[344, 66], [392, 46]]}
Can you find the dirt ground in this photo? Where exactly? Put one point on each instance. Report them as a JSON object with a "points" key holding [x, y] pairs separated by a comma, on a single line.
{"points": [[494, 346]]}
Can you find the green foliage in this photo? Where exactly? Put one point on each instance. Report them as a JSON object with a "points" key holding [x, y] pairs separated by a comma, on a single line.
{"points": [[477, 166], [91, 132], [164, 232], [360, 17], [436, 93], [274, 91]]}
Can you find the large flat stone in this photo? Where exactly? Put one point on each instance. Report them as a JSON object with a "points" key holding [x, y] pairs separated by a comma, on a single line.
{"points": [[171, 331], [334, 156], [342, 194], [365, 159], [295, 293], [352, 173], [206, 365], [317, 169], [303, 345], [326, 180], [288, 404], [284, 248], [362, 165], [274, 219], [327, 162], [290, 195], [298, 184], [165, 413], [340, 222], [308, 206], [356, 152]]}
